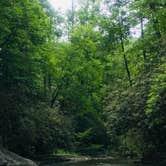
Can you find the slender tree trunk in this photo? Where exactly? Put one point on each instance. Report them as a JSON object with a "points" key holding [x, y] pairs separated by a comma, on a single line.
{"points": [[126, 62], [124, 54], [73, 14], [1, 64], [155, 20], [49, 83], [156, 27], [45, 86], [5, 77], [142, 36], [54, 97]]}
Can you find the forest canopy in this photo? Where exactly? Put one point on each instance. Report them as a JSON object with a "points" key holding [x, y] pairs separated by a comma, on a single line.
{"points": [[83, 82]]}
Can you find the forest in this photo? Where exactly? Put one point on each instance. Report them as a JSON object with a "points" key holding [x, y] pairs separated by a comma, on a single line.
{"points": [[91, 81]]}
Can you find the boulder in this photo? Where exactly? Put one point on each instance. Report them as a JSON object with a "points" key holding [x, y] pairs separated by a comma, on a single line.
{"points": [[8, 158]]}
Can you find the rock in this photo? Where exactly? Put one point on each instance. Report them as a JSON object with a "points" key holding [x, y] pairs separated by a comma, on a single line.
{"points": [[8, 158]]}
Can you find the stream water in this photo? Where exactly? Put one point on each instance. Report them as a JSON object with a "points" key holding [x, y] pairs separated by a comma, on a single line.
{"points": [[98, 163]]}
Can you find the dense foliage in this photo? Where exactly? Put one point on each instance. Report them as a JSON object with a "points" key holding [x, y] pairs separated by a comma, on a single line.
{"points": [[92, 88]]}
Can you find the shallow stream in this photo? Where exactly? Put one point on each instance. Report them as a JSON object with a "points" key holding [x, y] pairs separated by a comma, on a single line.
{"points": [[98, 163]]}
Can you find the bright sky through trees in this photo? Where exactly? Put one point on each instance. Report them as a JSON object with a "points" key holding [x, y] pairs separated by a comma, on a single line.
{"points": [[63, 5]]}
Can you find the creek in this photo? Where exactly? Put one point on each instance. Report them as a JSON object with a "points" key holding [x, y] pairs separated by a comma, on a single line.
{"points": [[99, 162]]}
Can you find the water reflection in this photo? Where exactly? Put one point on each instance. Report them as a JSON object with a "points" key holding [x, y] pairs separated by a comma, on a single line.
{"points": [[95, 163]]}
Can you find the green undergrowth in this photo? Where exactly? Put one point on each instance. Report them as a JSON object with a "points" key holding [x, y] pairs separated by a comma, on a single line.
{"points": [[62, 152]]}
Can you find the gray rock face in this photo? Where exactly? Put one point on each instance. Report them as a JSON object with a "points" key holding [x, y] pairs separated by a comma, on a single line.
{"points": [[8, 158]]}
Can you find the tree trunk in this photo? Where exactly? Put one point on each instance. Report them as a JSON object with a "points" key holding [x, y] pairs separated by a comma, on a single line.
{"points": [[142, 36], [49, 83], [73, 14], [126, 62], [45, 86], [54, 96], [155, 20]]}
